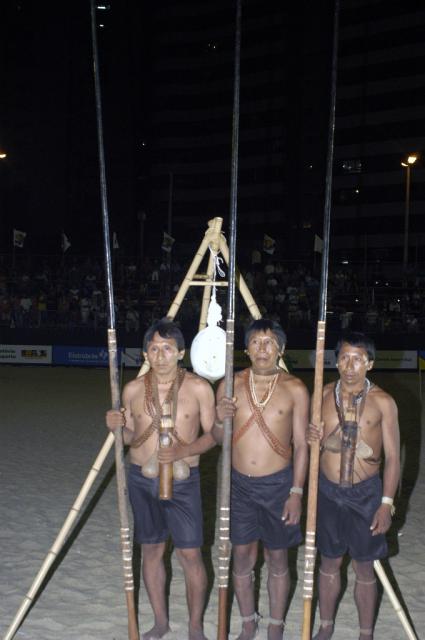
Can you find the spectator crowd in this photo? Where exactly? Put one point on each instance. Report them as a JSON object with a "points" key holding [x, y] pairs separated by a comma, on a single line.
{"points": [[49, 292]]}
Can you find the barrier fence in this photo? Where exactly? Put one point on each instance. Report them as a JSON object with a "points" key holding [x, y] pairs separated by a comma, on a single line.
{"points": [[86, 356]]}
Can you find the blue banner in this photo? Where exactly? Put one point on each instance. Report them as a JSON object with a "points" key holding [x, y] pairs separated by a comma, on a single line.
{"points": [[82, 356]]}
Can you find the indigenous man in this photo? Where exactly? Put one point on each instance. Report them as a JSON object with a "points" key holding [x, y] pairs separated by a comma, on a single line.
{"points": [[270, 411], [192, 402], [353, 519]]}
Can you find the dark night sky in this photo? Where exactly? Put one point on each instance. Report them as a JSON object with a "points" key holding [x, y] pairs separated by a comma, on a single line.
{"points": [[49, 181]]}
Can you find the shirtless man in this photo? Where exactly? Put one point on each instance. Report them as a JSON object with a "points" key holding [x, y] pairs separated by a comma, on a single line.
{"points": [[354, 520], [155, 520], [270, 412]]}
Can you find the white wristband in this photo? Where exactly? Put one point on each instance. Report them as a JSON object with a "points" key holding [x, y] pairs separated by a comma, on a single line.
{"points": [[389, 502], [298, 490]]}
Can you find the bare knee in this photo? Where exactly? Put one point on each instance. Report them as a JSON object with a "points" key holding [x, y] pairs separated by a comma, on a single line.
{"points": [[189, 557], [364, 570], [276, 560], [244, 558], [330, 565], [153, 553]]}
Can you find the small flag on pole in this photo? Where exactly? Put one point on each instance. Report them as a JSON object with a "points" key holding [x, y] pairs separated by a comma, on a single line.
{"points": [[167, 242], [318, 244], [65, 243], [19, 238], [115, 244], [269, 244]]}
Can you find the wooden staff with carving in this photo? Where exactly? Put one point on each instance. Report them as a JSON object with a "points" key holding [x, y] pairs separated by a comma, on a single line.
{"points": [[165, 440], [224, 507], [310, 537], [126, 543]]}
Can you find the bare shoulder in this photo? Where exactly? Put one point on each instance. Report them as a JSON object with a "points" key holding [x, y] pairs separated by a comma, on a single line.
{"points": [[328, 389], [293, 385], [291, 381], [133, 388], [383, 399], [197, 384], [239, 376]]}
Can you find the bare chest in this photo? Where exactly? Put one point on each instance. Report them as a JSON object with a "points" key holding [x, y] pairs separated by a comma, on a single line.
{"points": [[368, 417], [185, 415]]}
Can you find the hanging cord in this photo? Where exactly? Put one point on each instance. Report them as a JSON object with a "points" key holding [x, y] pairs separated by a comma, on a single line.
{"points": [[215, 316]]}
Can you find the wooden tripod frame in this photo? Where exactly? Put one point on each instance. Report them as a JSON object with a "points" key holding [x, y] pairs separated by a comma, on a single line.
{"points": [[215, 240]]}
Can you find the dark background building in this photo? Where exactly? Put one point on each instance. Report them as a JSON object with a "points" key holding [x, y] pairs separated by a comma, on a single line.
{"points": [[167, 74]]}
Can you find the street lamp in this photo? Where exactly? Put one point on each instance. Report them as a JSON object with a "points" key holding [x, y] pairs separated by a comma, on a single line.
{"points": [[410, 161]]}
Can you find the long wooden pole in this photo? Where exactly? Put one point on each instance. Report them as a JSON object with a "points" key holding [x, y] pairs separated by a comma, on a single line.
{"points": [[224, 510], [394, 600], [310, 538], [126, 544]]}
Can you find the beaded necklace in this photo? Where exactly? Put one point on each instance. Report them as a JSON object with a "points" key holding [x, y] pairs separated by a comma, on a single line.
{"points": [[272, 384]]}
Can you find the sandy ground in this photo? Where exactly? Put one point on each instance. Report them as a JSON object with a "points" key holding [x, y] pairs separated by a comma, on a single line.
{"points": [[51, 431]]}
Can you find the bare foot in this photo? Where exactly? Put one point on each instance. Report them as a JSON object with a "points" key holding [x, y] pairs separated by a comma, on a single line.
{"points": [[324, 633], [158, 631], [249, 630], [275, 631]]}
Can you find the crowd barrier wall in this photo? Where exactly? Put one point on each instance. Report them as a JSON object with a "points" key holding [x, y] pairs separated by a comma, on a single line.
{"points": [[86, 356]]}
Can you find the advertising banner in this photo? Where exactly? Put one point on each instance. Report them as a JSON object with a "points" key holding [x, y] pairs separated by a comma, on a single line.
{"points": [[407, 360], [82, 356], [132, 357], [25, 354], [304, 359]]}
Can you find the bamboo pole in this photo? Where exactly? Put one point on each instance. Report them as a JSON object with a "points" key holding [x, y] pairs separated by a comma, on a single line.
{"points": [[394, 600], [310, 538], [211, 237], [126, 545], [224, 505]]}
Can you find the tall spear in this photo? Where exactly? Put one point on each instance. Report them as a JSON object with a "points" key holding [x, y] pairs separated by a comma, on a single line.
{"points": [[224, 512], [310, 537], [133, 632]]}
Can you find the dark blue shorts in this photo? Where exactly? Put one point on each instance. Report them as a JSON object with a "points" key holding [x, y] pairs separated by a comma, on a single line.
{"points": [[256, 510], [344, 517], [155, 520]]}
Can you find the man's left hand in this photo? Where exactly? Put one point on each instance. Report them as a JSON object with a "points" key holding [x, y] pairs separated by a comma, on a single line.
{"points": [[381, 520], [292, 509]]}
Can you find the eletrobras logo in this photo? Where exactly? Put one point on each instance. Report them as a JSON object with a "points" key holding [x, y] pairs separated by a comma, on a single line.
{"points": [[102, 354]]}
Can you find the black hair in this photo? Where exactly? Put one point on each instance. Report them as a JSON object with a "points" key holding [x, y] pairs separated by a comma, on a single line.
{"points": [[263, 324], [356, 339], [166, 329]]}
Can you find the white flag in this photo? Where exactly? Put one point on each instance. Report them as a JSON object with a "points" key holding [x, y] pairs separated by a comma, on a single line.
{"points": [[19, 238], [318, 244], [167, 242], [115, 244], [65, 243]]}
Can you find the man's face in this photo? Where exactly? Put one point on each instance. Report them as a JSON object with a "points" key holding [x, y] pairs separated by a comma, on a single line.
{"points": [[353, 364], [263, 349], [163, 355]]}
